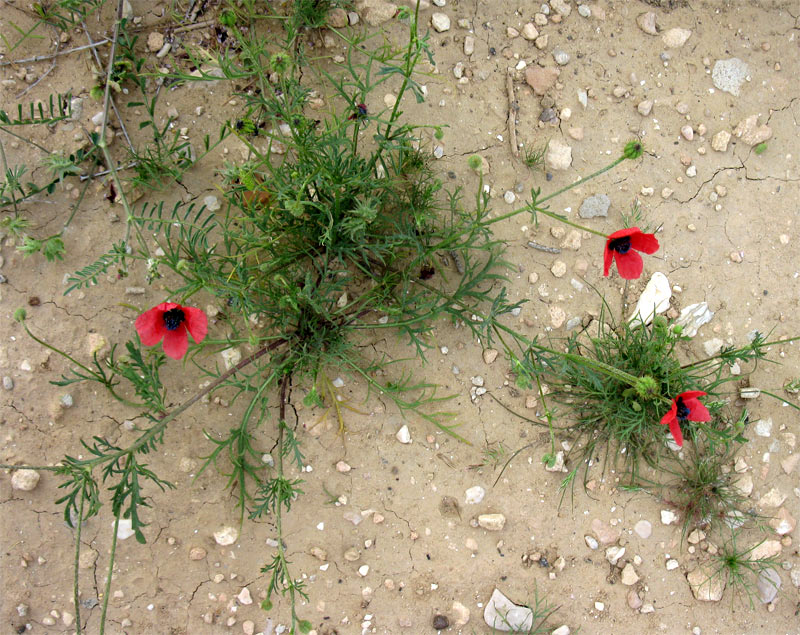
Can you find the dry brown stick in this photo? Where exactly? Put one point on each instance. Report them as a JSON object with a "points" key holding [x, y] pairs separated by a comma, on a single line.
{"points": [[513, 107], [42, 58]]}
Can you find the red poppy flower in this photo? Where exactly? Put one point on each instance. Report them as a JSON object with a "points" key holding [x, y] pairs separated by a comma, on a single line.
{"points": [[623, 246], [172, 323], [685, 407]]}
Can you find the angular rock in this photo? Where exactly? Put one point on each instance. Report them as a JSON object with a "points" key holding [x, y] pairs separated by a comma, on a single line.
{"points": [[668, 517], [460, 614], [558, 155], [605, 533], [634, 601], [750, 132], [773, 498], [403, 435], [675, 38], [647, 23], [502, 614], [492, 522], [376, 12], [719, 141], [629, 576], [541, 79], [729, 75], [226, 536], [693, 317], [614, 553], [654, 299], [561, 7], [594, 206], [529, 32], [440, 22], [783, 523], [768, 584], [765, 549], [707, 583]]}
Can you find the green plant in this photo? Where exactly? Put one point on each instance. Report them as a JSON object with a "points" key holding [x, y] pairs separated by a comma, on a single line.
{"points": [[314, 247], [741, 569], [534, 157], [702, 486]]}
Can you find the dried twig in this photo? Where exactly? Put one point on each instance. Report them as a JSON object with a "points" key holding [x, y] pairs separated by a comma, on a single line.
{"points": [[100, 65], [42, 58], [513, 108], [549, 250]]}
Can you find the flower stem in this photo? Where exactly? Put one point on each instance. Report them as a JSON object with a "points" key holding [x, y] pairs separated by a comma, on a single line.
{"points": [[75, 588], [534, 208], [107, 590]]}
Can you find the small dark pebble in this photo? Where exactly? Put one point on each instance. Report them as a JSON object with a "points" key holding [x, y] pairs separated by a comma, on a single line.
{"points": [[548, 176], [548, 114], [440, 622], [492, 50], [543, 562], [34, 301]]}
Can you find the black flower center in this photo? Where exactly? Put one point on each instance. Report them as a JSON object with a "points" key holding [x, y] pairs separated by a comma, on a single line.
{"points": [[682, 411], [173, 319], [620, 245]]}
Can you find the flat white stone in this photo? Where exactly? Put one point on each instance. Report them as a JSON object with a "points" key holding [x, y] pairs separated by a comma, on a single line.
{"points": [[654, 299]]}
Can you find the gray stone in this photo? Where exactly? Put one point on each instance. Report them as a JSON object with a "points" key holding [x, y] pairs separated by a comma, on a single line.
{"points": [[594, 206], [769, 583], [561, 57], [729, 75]]}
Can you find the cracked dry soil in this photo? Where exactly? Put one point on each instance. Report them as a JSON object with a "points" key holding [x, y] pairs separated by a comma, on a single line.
{"points": [[729, 237]]}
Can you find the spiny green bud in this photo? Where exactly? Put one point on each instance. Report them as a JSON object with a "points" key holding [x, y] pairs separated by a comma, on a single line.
{"points": [[677, 329], [474, 162], [646, 387], [280, 63], [633, 150], [20, 314], [660, 322]]}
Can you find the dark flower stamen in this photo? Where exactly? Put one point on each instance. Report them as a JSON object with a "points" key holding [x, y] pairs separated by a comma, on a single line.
{"points": [[173, 319], [682, 412], [620, 245]]}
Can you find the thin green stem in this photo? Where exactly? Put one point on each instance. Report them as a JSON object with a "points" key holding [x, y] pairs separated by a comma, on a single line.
{"points": [[97, 376], [107, 590], [75, 587], [533, 206]]}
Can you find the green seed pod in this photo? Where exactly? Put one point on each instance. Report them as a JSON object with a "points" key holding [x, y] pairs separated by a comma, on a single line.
{"points": [[633, 150]]}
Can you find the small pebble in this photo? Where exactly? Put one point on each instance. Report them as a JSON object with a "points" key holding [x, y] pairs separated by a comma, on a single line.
{"points": [[440, 622], [226, 536], [25, 480]]}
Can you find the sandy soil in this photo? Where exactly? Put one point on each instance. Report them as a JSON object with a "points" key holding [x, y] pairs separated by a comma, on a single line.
{"points": [[729, 237]]}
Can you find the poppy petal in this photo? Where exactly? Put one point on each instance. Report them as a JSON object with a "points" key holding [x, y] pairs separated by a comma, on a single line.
{"points": [[608, 256], [697, 411], [621, 233], [150, 326], [692, 394], [629, 265], [646, 243], [196, 323], [675, 429], [176, 343], [670, 415]]}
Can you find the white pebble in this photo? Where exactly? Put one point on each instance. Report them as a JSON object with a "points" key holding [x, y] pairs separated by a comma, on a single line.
{"points": [[403, 435]]}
